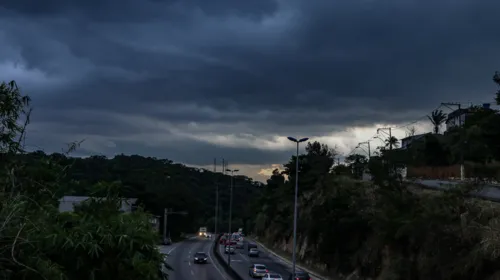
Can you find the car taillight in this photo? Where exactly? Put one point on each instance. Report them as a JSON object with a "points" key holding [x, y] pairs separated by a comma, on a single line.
{"points": [[297, 278], [255, 269], [267, 271]]}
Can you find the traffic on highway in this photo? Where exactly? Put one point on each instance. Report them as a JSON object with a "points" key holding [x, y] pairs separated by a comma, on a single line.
{"points": [[193, 259], [251, 262]]}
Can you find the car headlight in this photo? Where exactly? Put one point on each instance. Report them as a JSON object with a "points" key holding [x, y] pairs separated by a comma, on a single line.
{"points": [[205, 259], [195, 259]]}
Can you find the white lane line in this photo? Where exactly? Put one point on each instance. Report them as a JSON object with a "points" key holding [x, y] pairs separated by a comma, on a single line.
{"points": [[171, 250], [244, 257], [192, 273], [189, 263]]}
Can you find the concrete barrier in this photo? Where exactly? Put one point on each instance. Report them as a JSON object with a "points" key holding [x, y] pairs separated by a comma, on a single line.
{"points": [[222, 262]]}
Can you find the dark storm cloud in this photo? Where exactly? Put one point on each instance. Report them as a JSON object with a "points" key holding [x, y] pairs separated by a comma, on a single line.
{"points": [[274, 67]]}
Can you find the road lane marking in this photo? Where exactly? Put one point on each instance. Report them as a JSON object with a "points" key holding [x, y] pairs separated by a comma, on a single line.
{"points": [[244, 257], [192, 273], [189, 263], [171, 250]]}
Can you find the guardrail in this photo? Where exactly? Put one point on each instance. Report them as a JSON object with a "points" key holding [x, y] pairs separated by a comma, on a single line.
{"points": [[486, 192], [220, 259]]}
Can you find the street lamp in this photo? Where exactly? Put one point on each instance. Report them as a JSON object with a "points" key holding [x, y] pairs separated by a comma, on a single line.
{"points": [[230, 211], [295, 203]]}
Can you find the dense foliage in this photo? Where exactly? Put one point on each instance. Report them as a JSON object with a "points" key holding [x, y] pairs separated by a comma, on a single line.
{"points": [[385, 228], [159, 184], [96, 241]]}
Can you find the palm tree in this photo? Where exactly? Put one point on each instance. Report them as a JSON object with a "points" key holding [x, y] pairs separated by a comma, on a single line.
{"points": [[437, 118], [392, 142]]}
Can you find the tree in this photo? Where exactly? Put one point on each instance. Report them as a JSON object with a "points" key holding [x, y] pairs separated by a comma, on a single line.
{"points": [[437, 118], [496, 79], [391, 142], [411, 131], [357, 163], [38, 242]]}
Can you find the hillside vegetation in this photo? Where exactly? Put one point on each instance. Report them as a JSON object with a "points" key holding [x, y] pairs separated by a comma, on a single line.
{"points": [[386, 229], [95, 241], [159, 184]]}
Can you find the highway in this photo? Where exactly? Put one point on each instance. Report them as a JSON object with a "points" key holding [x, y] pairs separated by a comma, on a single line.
{"points": [[241, 262], [181, 259], [488, 192]]}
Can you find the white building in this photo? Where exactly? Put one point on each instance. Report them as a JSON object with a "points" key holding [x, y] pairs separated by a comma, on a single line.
{"points": [[67, 203]]}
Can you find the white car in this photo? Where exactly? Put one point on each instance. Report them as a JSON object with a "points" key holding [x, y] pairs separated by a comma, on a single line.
{"points": [[272, 276]]}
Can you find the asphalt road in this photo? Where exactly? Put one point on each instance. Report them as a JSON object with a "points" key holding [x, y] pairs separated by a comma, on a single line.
{"points": [[241, 262], [181, 256], [489, 192]]}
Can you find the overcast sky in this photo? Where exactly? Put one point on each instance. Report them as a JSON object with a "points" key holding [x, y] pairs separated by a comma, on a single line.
{"points": [[196, 79]]}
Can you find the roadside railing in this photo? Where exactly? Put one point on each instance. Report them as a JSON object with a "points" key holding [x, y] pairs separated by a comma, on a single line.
{"points": [[222, 261]]}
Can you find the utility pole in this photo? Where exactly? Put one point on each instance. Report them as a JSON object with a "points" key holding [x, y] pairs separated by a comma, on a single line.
{"points": [[232, 171], [216, 197], [368, 144], [462, 136], [390, 134]]}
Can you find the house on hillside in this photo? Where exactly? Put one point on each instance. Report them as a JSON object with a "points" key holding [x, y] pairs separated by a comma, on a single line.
{"points": [[67, 203], [407, 141], [456, 118]]}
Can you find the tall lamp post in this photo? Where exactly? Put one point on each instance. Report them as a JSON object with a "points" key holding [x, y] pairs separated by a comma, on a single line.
{"points": [[294, 260], [232, 171]]}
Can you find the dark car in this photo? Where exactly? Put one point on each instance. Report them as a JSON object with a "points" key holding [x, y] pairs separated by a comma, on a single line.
{"points": [[300, 275], [251, 245], [167, 241], [200, 257]]}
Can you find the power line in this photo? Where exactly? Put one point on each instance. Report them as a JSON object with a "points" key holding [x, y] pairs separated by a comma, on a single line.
{"points": [[417, 120]]}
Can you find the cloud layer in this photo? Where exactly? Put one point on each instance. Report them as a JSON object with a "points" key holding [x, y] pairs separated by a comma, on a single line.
{"points": [[194, 80]]}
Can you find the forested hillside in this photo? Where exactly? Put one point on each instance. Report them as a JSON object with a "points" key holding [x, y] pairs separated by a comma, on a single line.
{"points": [[159, 184]]}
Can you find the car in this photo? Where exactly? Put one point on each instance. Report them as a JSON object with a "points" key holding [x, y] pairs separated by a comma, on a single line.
{"points": [[253, 252], [200, 257], [222, 241], [272, 276], [240, 245], [167, 241], [300, 275], [229, 250], [257, 270], [251, 245]]}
